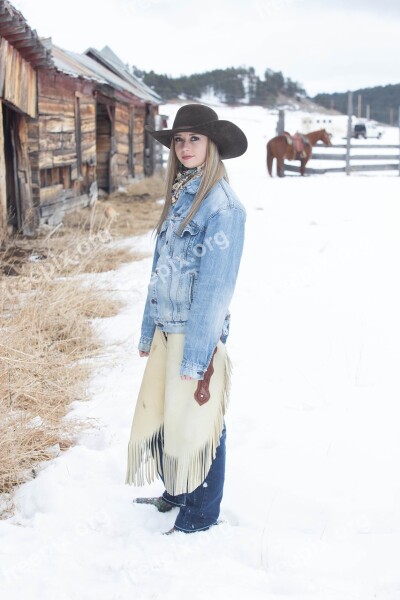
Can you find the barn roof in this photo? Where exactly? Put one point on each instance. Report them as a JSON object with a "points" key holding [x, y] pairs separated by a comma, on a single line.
{"points": [[15, 29], [83, 66], [111, 61]]}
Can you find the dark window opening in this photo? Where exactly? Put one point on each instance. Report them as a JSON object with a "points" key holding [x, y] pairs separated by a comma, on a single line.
{"points": [[56, 176]]}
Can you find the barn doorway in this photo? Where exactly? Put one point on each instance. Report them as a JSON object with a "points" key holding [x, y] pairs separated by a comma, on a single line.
{"points": [[103, 146], [13, 201]]}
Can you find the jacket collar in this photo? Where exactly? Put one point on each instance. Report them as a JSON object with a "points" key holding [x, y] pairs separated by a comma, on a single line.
{"points": [[193, 185]]}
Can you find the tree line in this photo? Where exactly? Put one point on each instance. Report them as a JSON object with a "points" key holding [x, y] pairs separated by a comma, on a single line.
{"points": [[232, 85], [380, 103]]}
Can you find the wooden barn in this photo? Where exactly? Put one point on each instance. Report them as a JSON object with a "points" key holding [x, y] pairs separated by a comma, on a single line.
{"points": [[21, 55], [71, 124], [144, 115], [89, 133]]}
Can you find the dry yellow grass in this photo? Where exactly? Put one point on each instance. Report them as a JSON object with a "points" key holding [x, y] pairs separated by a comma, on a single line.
{"points": [[124, 213], [46, 339], [45, 343]]}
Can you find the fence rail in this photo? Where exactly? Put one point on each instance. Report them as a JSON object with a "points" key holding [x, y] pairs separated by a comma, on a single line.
{"points": [[323, 153]]}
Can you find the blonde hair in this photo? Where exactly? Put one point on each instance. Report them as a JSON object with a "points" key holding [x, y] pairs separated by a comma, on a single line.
{"points": [[213, 171]]}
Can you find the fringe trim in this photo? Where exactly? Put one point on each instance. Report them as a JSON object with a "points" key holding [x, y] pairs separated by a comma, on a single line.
{"points": [[181, 474], [144, 459]]}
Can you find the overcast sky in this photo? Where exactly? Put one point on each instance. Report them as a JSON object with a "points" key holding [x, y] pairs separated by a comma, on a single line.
{"points": [[326, 45]]}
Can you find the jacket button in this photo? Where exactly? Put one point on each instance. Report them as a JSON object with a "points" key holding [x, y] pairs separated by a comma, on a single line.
{"points": [[154, 301]]}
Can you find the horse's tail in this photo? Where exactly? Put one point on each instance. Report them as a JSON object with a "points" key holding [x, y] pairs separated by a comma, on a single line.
{"points": [[270, 159]]}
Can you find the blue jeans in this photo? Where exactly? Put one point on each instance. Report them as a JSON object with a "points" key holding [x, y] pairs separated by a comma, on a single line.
{"points": [[199, 509]]}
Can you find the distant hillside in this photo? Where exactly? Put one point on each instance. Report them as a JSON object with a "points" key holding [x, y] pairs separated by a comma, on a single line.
{"points": [[233, 85], [383, 102]]}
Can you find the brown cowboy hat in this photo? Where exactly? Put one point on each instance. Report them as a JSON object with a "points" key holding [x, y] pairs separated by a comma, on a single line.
{"points": [[229, 138]]}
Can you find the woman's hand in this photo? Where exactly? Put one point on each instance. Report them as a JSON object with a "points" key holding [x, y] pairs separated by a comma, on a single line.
{"points": [[142, 354]]}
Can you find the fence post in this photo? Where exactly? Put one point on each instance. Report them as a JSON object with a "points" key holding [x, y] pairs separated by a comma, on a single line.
{"points": [[280, 126], [349, 130]]}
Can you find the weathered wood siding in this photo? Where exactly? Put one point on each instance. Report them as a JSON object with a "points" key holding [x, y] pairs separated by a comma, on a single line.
{"points": [[120, 144], [138, 140], [24, 177], [53, 138], [18, 82], [121, 128]]}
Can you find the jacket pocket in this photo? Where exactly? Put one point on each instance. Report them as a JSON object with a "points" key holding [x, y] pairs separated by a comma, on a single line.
{"points": [[192, 280], [185, 291], [191, 228]]}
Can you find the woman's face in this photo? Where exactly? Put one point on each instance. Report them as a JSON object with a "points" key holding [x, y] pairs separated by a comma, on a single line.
{"points": [[190, 148]]}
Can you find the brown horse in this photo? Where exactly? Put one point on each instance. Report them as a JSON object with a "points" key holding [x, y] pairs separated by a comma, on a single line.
{"points": [[297, 147]]}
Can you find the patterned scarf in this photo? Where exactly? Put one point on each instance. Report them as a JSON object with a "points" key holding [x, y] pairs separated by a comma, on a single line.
{"points": [[182, 179]]}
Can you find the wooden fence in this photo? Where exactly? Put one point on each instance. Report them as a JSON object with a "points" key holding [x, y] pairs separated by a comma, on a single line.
{"points": [[351, 154]]}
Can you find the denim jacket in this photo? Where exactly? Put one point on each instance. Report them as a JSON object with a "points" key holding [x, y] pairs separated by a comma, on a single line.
{"points": [[194, 274]]}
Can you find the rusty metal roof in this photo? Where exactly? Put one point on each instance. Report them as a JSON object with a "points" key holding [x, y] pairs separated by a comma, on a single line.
{"points": [[81, 65], [105, 67], [15, 29], [110, 60]]}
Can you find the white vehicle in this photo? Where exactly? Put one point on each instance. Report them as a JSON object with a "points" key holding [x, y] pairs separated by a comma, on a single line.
{"points": [[366, 130]]}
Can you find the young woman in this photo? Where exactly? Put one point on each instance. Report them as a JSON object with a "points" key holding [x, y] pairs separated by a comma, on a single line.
{"points": [[178, 431]]}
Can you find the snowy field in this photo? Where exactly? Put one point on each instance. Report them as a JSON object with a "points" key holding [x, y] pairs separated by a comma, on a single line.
{"points": [[312, 496]]}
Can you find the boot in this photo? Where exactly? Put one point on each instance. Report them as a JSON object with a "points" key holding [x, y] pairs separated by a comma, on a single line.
{"points": [[174, 529], [170, 531], [160, 504]]}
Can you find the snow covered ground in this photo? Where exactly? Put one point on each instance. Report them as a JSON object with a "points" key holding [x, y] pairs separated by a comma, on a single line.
{"points": [[312, 493]]}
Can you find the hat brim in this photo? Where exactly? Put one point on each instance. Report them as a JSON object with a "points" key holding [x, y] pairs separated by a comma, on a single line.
{"points": [[229, 138]]}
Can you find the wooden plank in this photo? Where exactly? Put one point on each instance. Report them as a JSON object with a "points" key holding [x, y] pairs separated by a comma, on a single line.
{"points": [[50, 193], [3, 189], [314, 171], [114, 173], [327, 156], [20, 87], [59, 85], [89, 135], [122, 149], [386, 167], [24, 177], [88, 108], [63, 158], [354, 168], [63, 204], [45, 160], [56, 158], [52, 124], [88, 126], [3, 60], [123, 138], [321, 156], [56, 106], [88, 142], [58, 141], [374, 157], [362, 146], [88, 151]]}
